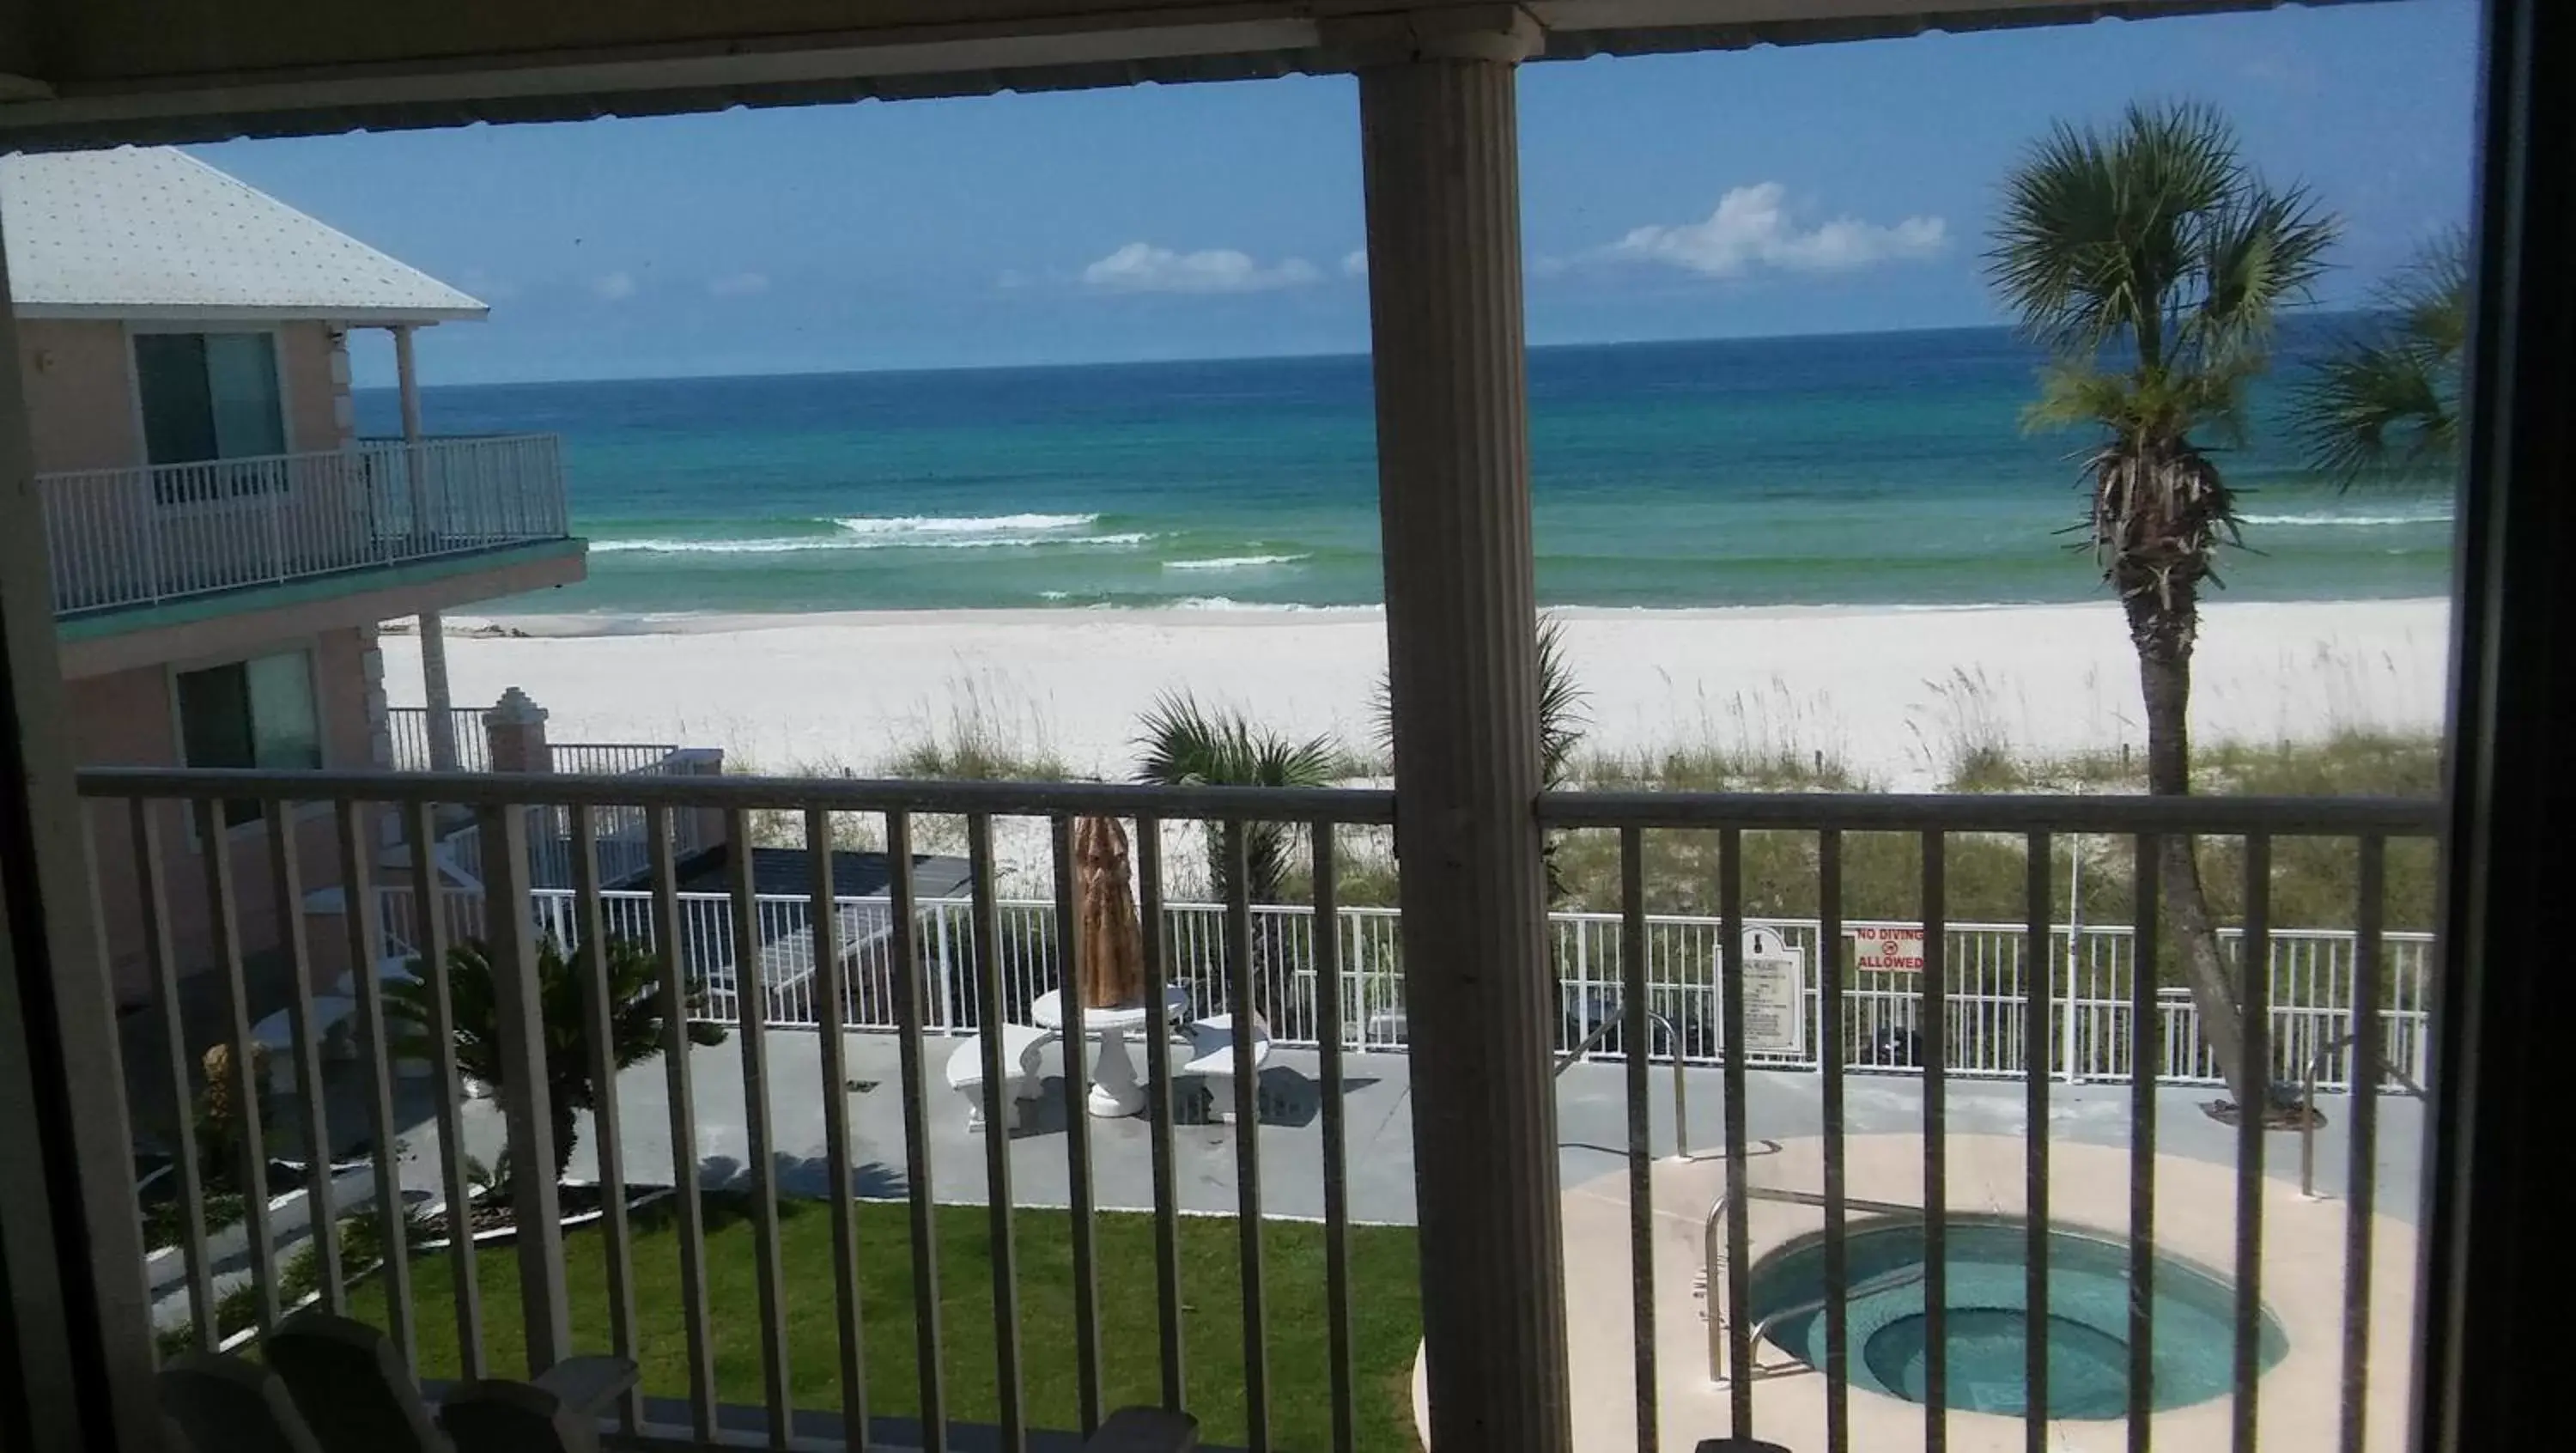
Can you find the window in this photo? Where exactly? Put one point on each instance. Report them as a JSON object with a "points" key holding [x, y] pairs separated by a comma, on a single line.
{"points": [[209, 397], [255, 713]]}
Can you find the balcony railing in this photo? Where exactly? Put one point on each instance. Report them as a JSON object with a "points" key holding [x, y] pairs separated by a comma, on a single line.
{"points": [[837, 965], [125, 537]]}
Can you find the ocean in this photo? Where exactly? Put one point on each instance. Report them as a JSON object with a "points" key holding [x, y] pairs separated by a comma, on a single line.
{"points": [[1852, 469]]}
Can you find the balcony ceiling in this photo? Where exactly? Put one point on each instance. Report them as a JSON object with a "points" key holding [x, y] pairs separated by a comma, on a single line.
{"points": [[90, 72]]}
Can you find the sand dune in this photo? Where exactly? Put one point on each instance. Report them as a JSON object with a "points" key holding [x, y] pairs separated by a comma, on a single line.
{"points": [[1886, 690]]}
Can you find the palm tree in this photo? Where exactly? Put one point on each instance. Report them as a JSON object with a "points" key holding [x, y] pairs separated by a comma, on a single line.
{"points": [[2150, 260], [1188, 745], [634, 1022], [2386, 402]]}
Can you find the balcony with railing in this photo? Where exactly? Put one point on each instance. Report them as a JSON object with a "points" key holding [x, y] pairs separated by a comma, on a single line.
{"points": [[142, 536], [1894, 1162]]}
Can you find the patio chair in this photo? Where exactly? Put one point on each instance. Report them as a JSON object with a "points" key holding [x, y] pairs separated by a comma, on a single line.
{"points": [[350, 1385], [227, 1404], [557, 1413], [357, 1397]]}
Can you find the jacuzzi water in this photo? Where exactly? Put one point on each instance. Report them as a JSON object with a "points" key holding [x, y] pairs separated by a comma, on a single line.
{"points": [[1989, 1323]]}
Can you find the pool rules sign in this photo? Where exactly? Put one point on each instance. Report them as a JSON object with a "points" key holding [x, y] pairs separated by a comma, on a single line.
{"points": [[1775, 1000]]}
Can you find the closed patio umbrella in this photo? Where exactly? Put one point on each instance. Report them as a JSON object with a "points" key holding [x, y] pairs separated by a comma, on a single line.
{"points": [[1112, 944]]}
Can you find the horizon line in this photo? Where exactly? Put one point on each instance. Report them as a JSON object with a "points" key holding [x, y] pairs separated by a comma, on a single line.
{"points": [[1162, 361]]}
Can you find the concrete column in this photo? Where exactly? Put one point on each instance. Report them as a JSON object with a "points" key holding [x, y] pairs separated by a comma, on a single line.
{"points": [[344, 406], [1439, 141], [433, 631], [516, 730], [77, 1359]]}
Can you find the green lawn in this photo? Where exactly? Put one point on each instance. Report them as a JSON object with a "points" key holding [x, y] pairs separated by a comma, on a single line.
{"points": [[1386, 1321]]}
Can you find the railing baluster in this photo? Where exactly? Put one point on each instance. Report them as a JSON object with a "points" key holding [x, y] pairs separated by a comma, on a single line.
{"points": [[590, 961], [2256, 978], [751, 1011], [1641, 1152], [1077, 1124], [1933, 1036], [910, 1005], [1247, 1136], [2036, 1037], [831, 975], [2361, 1158], [1158, 1073], [2146, 1028], [997, 1135], [1739, 1165], [1337, 1198], [153, 889], [286, 883], [244, 1089], [422, 824], [671, 947], [1829, 1029], [519, 1008]]}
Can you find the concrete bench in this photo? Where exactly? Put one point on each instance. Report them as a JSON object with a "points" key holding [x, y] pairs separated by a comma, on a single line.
{"points": [[1020, 1046], [1211, 1061]]}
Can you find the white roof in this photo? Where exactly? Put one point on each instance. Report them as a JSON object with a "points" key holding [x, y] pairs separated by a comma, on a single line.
{"points": [[153, 233]]}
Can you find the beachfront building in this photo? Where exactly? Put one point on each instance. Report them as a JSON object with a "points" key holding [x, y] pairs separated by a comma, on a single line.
{"points": [[222, 541], [1618, 1312]]}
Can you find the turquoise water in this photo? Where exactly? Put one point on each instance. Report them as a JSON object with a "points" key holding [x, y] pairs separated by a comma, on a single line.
{"points": [[1884, 468], [1988, 1323]]}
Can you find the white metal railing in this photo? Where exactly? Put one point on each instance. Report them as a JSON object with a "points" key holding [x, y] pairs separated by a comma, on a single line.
{"points": [[409, 728], [122, 537], [2088, 1038], [987, 957]]}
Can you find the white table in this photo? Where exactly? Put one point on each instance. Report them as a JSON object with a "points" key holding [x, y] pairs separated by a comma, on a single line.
{"points": [[1114, 1091]]}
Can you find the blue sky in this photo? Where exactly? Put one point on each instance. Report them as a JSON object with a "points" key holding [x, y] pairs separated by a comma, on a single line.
{"points": [[1814, 189]]}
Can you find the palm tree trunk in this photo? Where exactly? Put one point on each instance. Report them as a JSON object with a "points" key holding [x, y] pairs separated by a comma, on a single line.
{"points": [[566, 1130], [2162, 629]]}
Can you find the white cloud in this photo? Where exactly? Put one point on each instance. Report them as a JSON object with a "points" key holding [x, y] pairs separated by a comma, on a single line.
{"points": [[614, 287], [1355, 262], [1141, 267], [738, 285], [1755, 227]]}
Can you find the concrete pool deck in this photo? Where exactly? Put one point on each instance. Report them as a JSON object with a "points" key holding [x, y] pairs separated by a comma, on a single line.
{"points": [[1378, 1111], [2301, 1397]]}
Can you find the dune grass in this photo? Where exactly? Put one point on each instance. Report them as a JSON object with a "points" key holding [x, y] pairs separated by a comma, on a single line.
{"points": [[1386, 1321]]}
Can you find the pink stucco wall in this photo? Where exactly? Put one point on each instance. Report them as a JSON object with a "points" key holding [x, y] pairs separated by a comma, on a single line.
{"points": [[127, 718], [80, 395], [80, 392]]}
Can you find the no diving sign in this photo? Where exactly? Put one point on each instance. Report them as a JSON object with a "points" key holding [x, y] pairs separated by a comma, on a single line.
{"points": [[1897, 950]]}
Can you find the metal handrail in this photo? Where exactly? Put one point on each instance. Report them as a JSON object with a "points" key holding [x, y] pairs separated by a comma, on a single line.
{"points": [[2308, 1105], [1673, 1038], [1713, 1267]]}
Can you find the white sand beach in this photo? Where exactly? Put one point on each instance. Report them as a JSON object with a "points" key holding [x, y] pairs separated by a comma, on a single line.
{"points": [[1885, 689]]}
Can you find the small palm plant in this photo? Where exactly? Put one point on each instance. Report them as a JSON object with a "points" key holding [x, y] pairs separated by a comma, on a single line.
{"points": [[2150, 260], [634, 1024], [1186, 744], [2386, 402]]}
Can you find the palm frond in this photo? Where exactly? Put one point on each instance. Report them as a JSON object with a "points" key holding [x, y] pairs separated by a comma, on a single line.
{"points": [[2385, 403], [2152, 262], [1184, 744], [1561, 719]]}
